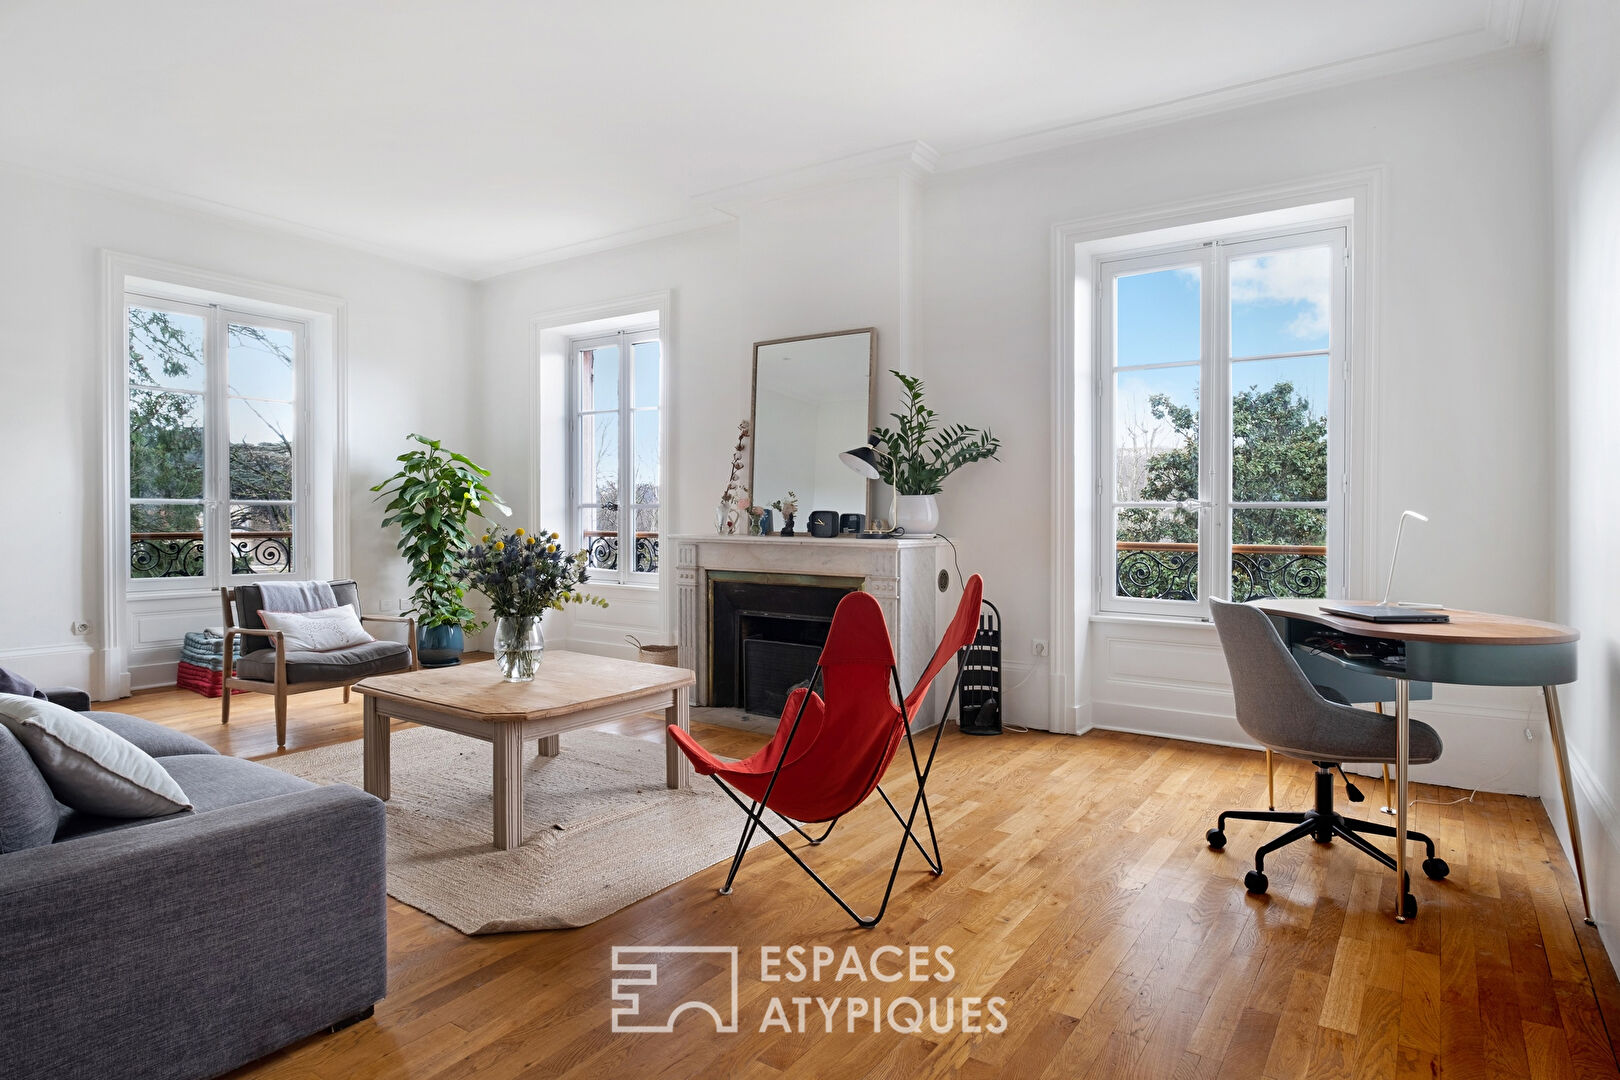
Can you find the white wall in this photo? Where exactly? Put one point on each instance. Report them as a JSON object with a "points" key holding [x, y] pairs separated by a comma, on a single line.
{"points": [[1460, 346], [956, 275], [410, 337], [1585, 109], [832, 259]]}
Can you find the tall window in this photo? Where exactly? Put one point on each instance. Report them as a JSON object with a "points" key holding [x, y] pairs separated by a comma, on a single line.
{"points": [[617, 479], [1221, 405], [213, 451]]}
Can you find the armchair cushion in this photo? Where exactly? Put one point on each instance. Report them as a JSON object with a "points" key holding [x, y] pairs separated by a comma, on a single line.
{"points": [[339, 665], [28, 810], [250, 598]]}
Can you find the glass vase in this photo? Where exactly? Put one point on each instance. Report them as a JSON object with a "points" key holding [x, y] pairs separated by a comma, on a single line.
{"points": [[518, 646]]}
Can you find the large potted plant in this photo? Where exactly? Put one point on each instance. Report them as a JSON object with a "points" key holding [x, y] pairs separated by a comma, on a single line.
{"points": [[434, 492], [914, 458]]}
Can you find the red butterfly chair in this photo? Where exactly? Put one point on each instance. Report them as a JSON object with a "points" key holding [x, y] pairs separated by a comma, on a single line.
{"points": [[831, 757]]}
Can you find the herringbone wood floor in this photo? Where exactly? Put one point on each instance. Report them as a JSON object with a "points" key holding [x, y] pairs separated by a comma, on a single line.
{"points": [[1078, 888]]}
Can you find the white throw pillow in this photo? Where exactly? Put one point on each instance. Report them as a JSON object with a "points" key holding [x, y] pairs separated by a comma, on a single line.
{"points": [[318, 631], [87, 766]]}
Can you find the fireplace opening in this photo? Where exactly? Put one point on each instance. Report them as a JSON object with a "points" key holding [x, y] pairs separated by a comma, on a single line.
{"points": [[766, 633]]}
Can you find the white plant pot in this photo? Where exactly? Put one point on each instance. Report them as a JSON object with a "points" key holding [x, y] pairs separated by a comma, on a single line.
{"points": [[917, 514]]}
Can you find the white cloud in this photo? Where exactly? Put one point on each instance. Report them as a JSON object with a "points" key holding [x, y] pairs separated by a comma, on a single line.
{"points": [[1303, 275]]}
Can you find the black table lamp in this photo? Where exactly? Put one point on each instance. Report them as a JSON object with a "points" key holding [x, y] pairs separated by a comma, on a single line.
{"points": [[864, 461]]}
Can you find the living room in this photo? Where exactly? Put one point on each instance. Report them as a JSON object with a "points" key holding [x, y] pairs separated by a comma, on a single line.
{"points": [[593, 251]]}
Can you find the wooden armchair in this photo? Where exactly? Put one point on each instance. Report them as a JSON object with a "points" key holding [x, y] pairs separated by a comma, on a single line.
{"points": [[267, 667]]}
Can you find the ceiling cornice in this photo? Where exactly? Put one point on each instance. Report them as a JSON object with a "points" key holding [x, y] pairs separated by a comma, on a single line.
{"points": [[703, 218], [915, 159], [85, 180], [1459, 48]]}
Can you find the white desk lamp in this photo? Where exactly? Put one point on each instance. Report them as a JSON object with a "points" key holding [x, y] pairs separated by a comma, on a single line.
{"points": [[1389, 583]]}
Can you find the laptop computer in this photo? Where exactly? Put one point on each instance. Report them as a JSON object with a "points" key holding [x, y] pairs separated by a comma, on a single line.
{"points": [[1387, 613]]}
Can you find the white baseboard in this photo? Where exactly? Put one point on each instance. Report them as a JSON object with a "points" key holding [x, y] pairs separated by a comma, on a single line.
{"points": [[1600, 837], [1484, 751], [65, 664]]}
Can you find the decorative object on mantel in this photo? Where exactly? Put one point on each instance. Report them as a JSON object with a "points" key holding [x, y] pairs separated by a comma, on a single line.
{"points": [[759, 521], [524, 575], [433, 492], [787, 507], [914, 458], [729, 513], [823, 523], [852, 523]]}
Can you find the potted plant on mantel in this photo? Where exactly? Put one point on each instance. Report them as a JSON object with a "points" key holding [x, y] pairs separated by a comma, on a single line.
{"points": [[434, 492], [914, 458]]}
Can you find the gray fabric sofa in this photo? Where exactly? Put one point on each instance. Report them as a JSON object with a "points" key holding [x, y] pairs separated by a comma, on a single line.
{"points": [[187, 945]]}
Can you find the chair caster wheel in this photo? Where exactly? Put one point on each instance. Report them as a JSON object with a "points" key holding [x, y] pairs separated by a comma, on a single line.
{"points": [[1216, 839], [1409, 906], [1436, 868], [1255, 882]]}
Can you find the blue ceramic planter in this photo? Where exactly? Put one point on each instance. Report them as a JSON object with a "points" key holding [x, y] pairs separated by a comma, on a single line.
{"points": [[439, 646]]}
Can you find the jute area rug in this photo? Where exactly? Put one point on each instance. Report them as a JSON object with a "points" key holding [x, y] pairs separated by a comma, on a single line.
{"points": [[601, 830]]}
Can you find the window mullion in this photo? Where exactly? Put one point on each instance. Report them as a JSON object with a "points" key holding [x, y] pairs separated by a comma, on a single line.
{"points": [[216, 461], [627, 492]]}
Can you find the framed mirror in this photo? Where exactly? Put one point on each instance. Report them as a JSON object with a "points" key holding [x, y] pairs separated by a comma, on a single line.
{"points": [[812, 401]]}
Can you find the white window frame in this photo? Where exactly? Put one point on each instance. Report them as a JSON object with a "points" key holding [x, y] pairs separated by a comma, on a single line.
{"points": [[1214, 504], [218, 316], [624, 339]]}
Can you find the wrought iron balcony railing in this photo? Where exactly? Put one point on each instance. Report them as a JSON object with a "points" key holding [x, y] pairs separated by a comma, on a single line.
{"points": [[602, 551], [1163, 571], [180, 554]]}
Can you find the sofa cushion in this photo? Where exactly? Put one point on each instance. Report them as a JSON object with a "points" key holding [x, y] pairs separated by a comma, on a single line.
{"points": [[88, 766], [339, 665], [28, 810], [155, 739], [249, 599], [211, 781], [12, 683]]}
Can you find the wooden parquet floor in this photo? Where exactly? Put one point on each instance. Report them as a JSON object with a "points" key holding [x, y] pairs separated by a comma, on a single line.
{"points": [[1077, 888]]}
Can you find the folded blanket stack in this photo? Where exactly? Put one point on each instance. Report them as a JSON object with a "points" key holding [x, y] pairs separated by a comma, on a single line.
{"points": [[202, 663]]}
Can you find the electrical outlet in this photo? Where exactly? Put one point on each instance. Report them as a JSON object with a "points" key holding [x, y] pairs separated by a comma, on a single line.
{"points": [[1040, 646], [81, 628]]}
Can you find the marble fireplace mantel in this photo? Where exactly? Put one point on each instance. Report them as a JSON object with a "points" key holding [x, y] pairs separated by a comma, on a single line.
{"points": [[901, 574]]}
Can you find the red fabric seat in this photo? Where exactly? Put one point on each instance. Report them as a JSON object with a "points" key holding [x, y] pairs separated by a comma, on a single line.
{"points": [[831, 750]]}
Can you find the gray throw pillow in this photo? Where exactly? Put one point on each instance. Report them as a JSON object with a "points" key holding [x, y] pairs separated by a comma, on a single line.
{"points": [[16, 684], [28, 811], [88, 767]]}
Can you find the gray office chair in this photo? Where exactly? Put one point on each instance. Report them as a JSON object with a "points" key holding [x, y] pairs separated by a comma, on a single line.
{"points": [[1280, 709]]}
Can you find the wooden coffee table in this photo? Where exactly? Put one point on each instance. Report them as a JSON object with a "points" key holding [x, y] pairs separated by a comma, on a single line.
{"points": [[570, 691]]}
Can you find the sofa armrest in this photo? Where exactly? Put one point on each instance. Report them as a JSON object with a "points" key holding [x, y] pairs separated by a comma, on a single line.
{"points": [[212, 939], [68, 697]]}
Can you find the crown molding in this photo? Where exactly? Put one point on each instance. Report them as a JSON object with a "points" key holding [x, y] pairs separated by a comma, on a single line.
{"points": [[914, 159], [86, 180], [1438, 53], [1521, 22], [700, 219]]}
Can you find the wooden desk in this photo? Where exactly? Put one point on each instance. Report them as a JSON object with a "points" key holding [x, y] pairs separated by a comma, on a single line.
{"points": [[1474, 649], [570, 691]]}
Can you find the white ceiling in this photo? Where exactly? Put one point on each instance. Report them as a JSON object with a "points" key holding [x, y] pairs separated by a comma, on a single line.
{"points": [[479, 134]]}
